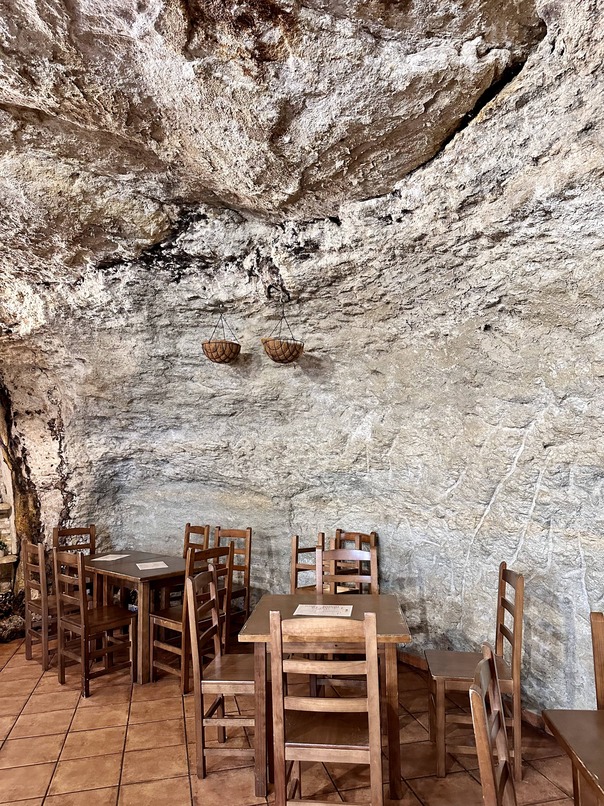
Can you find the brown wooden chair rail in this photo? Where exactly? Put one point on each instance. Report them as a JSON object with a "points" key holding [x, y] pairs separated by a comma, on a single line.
{"points": [[197, 537], [299, 567], [225, 675], [69, 539], [597, 639], [454, 671], [40, 605], [337, 568], [174, 619], [326, 729], [240, 587], [92, 631], [488, 719], [361, 541]]}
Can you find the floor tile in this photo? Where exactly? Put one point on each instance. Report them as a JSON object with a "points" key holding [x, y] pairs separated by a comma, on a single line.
{"points": [[419, 760], [150, 765], [156, 710], [43, 703], [159, 793], [558, 770], [109, 695], [146, 735], [411, 730], [11, 706], [90, 797], [364, 796], [14, 785], [86, 773], [21, 672], [457, 788], [538, 744], [100, 742], [6, 723], [235, 787], [105, 716], [160, 690], [34, 750], [536, 788], [41, 724], [18, 688]]}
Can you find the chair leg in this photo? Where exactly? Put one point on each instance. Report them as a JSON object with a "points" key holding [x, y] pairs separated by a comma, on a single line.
{"points": [[441, 750], [152, 675], [84, 665], [28, 621], [132, 635], [185, 661], [221, 730], [60, 655], [432, 712], [517, 735], [45, 650], [200, 739]]}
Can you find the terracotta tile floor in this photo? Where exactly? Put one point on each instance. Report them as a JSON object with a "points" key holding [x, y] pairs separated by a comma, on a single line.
{"points": [[128, 745]]}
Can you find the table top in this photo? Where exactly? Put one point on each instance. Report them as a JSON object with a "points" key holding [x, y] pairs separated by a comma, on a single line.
{"points": [[392, 626], [126, 568], [581, 736]]}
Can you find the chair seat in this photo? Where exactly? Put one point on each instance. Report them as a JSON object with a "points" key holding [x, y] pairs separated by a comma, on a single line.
{"points": [[173, 613], [230, 669], [460, 666], [102, 618], [345, 731]]}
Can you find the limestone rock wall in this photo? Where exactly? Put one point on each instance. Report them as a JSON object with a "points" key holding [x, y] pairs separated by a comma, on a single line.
{"points": [[450, 395]]}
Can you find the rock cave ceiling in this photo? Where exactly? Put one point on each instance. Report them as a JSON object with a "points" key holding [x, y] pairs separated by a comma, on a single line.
{"points": [[118, 116]]}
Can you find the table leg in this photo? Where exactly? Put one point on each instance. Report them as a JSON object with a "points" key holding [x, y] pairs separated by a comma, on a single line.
{"points": [[260, 716], [394, 746], [144, 607]]}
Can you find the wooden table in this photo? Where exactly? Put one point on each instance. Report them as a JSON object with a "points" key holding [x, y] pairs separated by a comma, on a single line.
{"points": [[392, 629], [581, 735], [130, 576]]}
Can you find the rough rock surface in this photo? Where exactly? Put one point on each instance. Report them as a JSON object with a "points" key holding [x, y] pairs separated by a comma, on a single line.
{"points": [[450, 395]]}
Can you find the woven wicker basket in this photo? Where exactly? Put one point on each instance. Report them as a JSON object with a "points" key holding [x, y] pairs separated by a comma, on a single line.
{"points": [[283, 351], [221, 351]]}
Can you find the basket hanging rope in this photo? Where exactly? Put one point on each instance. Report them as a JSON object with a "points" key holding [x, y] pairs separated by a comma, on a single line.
{"points": [[278, 345], [222, 350]]}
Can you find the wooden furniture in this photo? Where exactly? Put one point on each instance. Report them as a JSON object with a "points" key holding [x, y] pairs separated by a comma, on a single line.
{"points": [[454, 671], [298, 567], [597, 641], [125, 572], [392, 629], [327, 729], [197, 537], [240, 586], [174, 618], [581, 735], [40, 606], [225, 675], [488, 719], [336, 569], [77, 539], [361, 541], [92, 632]]}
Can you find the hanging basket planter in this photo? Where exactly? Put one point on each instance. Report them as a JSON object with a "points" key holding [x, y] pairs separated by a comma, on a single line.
{"points": [[281, 345], [224, 350], [283, 351]]}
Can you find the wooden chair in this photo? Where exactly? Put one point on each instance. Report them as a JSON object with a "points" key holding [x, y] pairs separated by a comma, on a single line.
{"points": [[225, 675], [40, 606], [326, 729], [78, 539], [92, 631], [337, 571], [360, 541], [488, 719], [240, 585], [597, 639], [175, 620], [454, 671], [298, 567], [192, 532]]}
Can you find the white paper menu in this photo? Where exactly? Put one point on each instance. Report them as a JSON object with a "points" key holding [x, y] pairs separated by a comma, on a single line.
{"points": [[323, 610], [109, 558], [150, 566]]}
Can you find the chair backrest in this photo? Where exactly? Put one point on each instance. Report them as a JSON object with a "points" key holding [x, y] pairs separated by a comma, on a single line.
{"points": [[197, 537], [339, 572], [242, 546], [204, 619], [299, 567], [361, 541], [33, 557], [290, 640], [510, 630], [597, 639], [70, 584], [221, 558], [488, 719], [77, 539]]}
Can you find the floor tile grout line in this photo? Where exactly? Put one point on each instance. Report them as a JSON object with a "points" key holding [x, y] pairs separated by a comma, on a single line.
{"points": [[50, 780], [119, 780]]}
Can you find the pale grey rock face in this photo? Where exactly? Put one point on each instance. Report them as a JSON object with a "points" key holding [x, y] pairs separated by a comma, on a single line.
{"points": [[450, 394]]}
